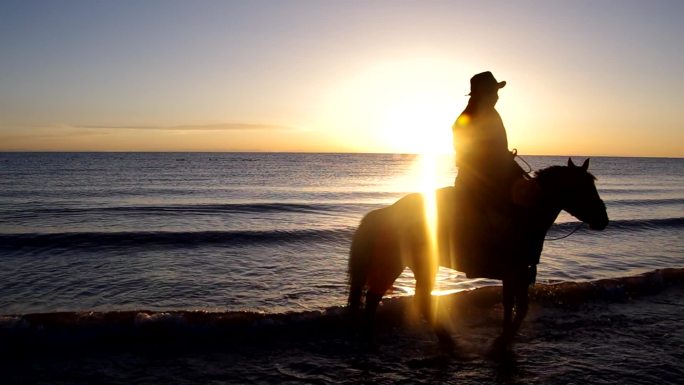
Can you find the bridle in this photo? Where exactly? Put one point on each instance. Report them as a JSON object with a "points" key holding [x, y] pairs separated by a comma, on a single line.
{"points": [[528, 171]]}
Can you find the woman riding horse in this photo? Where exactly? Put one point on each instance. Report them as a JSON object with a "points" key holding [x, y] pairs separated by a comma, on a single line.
{"points": [[392, 238], [484, 229]]}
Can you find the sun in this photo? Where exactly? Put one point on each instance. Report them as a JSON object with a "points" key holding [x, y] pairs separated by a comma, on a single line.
{"points": [[418, 123], [406, 105]]}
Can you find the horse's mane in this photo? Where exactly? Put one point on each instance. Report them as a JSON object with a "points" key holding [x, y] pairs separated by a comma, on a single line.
{"points": [[553, 172], [549, 172]]}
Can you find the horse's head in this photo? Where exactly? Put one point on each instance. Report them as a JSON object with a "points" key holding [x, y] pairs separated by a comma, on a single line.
{"points": [[576, 192], [581, 199]]}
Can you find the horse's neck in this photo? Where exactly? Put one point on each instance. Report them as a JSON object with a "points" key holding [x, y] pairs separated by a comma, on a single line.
{"points": [[548, 213], [550, 204]]}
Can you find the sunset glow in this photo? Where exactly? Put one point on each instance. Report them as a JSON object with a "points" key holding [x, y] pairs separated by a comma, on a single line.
{"points": [[386, 77]]}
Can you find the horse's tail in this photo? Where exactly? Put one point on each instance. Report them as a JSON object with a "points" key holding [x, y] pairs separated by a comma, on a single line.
{"points": [[360, 255]]}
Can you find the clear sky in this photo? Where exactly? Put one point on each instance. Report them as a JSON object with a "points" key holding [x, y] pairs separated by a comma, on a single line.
{"points": [[584, 77]]}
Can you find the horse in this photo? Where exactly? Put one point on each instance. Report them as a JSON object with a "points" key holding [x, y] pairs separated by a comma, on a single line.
{"points": [[470, 237]]}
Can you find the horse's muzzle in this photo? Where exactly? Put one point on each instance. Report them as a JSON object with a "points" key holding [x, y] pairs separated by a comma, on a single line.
{"points": [[600, 221], [599, 226]]}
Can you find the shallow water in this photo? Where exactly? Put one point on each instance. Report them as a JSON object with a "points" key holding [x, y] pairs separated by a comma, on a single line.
{"points": [[626, 331]]}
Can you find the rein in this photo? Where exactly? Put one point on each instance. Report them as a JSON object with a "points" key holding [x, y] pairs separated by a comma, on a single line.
{"points": [[515, 155], [566, 235]]}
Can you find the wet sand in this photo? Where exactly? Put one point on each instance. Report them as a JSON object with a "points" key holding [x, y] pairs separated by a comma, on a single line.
{"points": [[631, 341]]}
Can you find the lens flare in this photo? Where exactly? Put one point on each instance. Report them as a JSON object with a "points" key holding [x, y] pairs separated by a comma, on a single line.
{"points": [[463, 120], [429, 180]]}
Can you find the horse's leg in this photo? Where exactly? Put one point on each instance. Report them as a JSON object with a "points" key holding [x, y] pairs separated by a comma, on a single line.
{"points": [[379, 281], [503, 342], [372, 301], [424, 286], [514, 293], [521, 305], [508, 297], [423, 298]]}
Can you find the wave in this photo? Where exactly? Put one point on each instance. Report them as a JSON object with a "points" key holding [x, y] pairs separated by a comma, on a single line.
{"points": [[123, 328], [646, 224], [228, 208], [623, 225], [76, 240], [86, 240], [646, 202]]}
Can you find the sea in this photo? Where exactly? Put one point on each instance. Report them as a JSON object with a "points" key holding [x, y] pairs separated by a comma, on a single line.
{"points": [[262, 239]]}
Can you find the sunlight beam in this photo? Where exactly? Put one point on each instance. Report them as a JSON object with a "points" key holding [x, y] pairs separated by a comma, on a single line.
{"points": [[429, 166]]}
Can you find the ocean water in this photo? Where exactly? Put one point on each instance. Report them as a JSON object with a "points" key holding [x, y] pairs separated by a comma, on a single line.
{"points": [[269, 232], [231, 268]]}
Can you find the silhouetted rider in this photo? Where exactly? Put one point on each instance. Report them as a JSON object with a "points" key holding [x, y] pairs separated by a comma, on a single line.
{"points": [[485, 166]]}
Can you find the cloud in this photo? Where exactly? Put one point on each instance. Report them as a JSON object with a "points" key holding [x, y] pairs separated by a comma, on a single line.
{"points": [[190, 127], [42, 134], [118, 137]]}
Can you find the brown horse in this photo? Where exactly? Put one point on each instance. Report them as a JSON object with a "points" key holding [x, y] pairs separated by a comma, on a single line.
{"points": [[471, 237]]}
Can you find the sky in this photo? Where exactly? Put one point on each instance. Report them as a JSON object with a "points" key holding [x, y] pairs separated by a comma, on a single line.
{"points": [[583, 77]]}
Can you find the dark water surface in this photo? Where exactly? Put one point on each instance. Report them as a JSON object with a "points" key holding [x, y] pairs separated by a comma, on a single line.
{"points": [[267, 232], [231, 268]]}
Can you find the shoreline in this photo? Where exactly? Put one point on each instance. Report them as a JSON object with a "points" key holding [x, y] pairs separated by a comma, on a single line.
{"points": [[182, 328], [631, 336]]}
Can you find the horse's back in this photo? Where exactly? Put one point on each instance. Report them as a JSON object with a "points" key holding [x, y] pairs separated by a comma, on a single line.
{"points": [[396, 235]]}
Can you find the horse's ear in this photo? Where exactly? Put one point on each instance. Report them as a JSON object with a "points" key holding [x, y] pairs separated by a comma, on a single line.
{"points": [[570, 163], [585, 165]]}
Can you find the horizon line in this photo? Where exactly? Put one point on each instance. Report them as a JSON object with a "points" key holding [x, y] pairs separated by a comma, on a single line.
{"points": [[308, 152]]}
